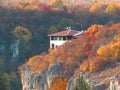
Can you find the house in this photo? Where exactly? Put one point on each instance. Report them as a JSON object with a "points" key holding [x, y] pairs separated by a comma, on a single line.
{"points": [[58, 38]]}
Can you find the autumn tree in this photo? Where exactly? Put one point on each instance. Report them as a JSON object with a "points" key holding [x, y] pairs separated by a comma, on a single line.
{"points": [[59, 84], [111, 51], [98, 7], [22, 33], [55, 2], [104, 51], [37, 63], [94, 64], [110, 8], [117, 37]]}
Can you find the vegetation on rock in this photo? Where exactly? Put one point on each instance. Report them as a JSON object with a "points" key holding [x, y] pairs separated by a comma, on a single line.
{"points": [[81, 84]]}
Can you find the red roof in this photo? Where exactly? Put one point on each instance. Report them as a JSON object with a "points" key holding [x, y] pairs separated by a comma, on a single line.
{"points": [[68, 32]]}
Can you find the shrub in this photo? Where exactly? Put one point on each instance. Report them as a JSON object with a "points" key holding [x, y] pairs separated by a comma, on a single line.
{"points": [[59, 84], [81, 84]]}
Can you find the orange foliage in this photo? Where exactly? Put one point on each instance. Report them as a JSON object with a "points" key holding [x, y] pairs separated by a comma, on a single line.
{"points": [[94, 64], [55, 2], [37, 63], [59, 84], [97, 42], [84, 66], [94, 28]]}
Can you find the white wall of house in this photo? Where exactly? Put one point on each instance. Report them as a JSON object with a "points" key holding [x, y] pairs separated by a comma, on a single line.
{"points": [[56, 43]]}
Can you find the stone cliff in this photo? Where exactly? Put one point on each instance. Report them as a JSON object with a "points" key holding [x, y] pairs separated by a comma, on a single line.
{"points": [[108, 79], [40, 80]]}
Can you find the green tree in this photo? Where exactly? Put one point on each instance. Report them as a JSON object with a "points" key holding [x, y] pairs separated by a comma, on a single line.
{"points": [[65, 22], [3, 85], [52, 29], [81, 84], [7, 78]]}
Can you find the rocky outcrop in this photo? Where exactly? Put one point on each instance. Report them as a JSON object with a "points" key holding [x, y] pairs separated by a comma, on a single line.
{"points": [[108, 79], [41, 80], [115, 83]]}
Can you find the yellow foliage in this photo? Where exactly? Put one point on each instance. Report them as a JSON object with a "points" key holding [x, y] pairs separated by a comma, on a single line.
{"points": [[55, 2], [117, 37], [103, 51], [33, 59], [37, 63], [93, 64], [98, 7], [112, 50], [22, 33], [110, 8], [115, 49]]}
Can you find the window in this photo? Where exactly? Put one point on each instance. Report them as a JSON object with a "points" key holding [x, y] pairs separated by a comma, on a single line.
{"points": [[64, 38], [52, 38], [60, 38], [53, 46], [56, 38]]}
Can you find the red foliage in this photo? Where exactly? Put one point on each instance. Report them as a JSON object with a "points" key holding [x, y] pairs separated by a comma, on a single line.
{"points": [[79, 50], [45, 7]]}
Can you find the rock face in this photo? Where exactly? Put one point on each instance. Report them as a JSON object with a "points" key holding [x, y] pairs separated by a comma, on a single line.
{"points": [[11, 48], [115, 83], [40, 80], [108, 79], [14, 48]]}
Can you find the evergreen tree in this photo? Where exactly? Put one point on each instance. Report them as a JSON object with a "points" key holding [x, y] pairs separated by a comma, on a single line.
{"points": [[81, 84]]}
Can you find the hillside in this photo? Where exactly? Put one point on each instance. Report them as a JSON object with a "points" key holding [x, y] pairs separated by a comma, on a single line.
{"points": [[65, 2], [97, 50], [37, 20], [36, 4]]}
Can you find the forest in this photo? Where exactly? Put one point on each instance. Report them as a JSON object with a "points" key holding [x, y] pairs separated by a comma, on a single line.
{"points": [[36, 21]]}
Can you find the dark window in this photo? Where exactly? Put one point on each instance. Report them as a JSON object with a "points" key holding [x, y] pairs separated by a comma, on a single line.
{"points": [[52, 38], [64, 38], [53, 46]]}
